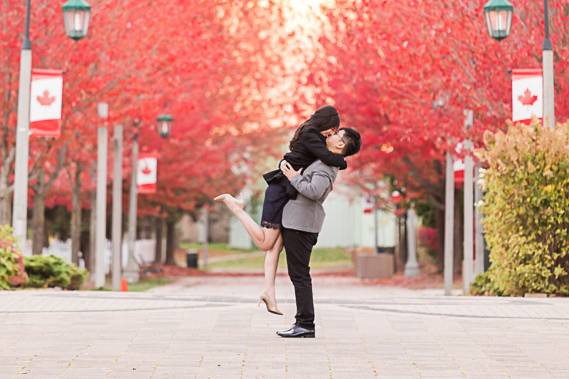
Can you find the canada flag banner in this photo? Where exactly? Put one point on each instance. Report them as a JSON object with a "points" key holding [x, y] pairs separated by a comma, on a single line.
{"points": [[458, 168], [527, 94], [147, 174], [45, 102]]}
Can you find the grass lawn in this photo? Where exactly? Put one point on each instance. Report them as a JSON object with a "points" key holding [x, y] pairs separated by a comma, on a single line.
{"points": [[321, 258], [215, 248]]}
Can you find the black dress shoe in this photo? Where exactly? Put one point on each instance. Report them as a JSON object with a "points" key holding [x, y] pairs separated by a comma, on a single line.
{"points": [[297, 332]]}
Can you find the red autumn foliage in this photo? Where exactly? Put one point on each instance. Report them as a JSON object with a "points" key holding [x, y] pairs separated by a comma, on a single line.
{"points": [[238, 77], [428, 237], [403, 72], [206, 64]]}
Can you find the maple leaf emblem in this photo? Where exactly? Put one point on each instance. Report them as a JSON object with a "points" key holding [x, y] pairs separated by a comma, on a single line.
{"points": [[527, 99], [45, 99], [146, 170]]}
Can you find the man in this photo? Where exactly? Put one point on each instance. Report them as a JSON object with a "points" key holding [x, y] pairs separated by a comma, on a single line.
{"points": [[302, 221]]}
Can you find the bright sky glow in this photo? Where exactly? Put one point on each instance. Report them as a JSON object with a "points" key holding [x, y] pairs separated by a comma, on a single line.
{"points": [[306, 6], [306, 20]]}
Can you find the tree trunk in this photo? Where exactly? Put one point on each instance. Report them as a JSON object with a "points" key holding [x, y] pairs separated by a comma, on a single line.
{"points": [[403, 241], [76, 217], [45, 229], [7, 150], [5, 203], [158, 226], [440, 225], [84, 242], [38, 224], [397, 257], [170, 241], [38, 220], [401, 249]]}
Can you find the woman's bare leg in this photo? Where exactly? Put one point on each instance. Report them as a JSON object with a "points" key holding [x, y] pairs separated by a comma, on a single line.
{"points": [[271, 265], [264, 238]]}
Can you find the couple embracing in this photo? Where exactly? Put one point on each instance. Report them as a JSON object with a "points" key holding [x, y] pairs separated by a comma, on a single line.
{"points": [[292, 210]]}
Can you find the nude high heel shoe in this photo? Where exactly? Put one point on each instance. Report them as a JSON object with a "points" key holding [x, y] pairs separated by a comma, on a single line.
{"points": [[270, 304], [230, 201]]}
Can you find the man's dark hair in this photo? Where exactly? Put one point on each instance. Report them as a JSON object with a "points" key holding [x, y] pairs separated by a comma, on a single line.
{"points": [[353, 141]]}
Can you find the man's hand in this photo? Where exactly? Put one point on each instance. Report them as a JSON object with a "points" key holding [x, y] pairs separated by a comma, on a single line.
{"points": [[289, 171]]}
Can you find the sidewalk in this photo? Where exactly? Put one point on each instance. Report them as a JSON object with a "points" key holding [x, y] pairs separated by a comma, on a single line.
{"points": [[210, 327]]}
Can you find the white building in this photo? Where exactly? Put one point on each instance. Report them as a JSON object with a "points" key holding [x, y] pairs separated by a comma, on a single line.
{"points": [[346, 224]]}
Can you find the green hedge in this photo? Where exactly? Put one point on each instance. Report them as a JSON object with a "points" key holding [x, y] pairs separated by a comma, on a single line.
{"points": [[484, 285], [12, 271], [37, 271], [51, 271], [526, 210]]}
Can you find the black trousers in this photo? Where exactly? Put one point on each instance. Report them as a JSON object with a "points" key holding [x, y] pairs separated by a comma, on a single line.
{"points": [[298, 246]]}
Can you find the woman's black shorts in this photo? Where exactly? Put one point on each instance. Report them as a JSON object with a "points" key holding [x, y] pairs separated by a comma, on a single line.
{"points": [[276, 197]]}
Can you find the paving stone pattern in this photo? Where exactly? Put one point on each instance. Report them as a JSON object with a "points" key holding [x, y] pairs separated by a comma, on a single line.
{"points": [[212, 328]]}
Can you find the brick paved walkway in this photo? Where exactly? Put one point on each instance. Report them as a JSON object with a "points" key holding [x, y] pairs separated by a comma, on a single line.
{"points": [[212, 328]]}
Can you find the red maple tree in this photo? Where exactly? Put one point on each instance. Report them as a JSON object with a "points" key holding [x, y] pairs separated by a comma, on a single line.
{"points": [[404, 72]]}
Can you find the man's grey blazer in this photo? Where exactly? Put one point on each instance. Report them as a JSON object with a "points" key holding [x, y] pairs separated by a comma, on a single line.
{"points": [[305, 213]]}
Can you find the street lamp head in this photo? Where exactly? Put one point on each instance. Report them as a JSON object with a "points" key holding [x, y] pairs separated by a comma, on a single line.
{"points": [[498, 15], [164, 125], [76, 15], [441, 100]]}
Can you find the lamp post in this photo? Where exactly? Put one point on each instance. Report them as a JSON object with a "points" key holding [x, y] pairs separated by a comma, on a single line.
{"points": [[449, 224], [131, 269], [164, 129], [478, 217], [498, 15], [117, 207], [448, 264], [468, 267], [79, 12], [101, 202], [164, 126], [411, 267]]}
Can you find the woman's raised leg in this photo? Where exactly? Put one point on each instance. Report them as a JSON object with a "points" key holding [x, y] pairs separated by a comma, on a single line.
{"points": [[264, 238]]}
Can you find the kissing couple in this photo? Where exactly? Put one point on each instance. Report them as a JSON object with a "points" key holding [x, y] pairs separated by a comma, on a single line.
{"points": [[292, 210]]}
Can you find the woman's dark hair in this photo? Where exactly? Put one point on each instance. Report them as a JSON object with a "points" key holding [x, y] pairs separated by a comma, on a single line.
{"points": [[324, 118]]}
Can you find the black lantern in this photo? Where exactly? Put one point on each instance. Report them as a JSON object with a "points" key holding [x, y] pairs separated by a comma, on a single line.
{"points": [[498, 14], [164, 125], [76, 15]]}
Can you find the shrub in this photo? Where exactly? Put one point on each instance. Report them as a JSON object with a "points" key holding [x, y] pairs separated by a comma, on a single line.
{"points": [[51, 271], [428, 237], [526, 208], [484, 285], [12, 271], [427, 249]]}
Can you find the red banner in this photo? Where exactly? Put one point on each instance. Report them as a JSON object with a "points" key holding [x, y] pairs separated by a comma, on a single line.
{"points": [[527, 94], [45, 102], [458, 168], [147, 174]]}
